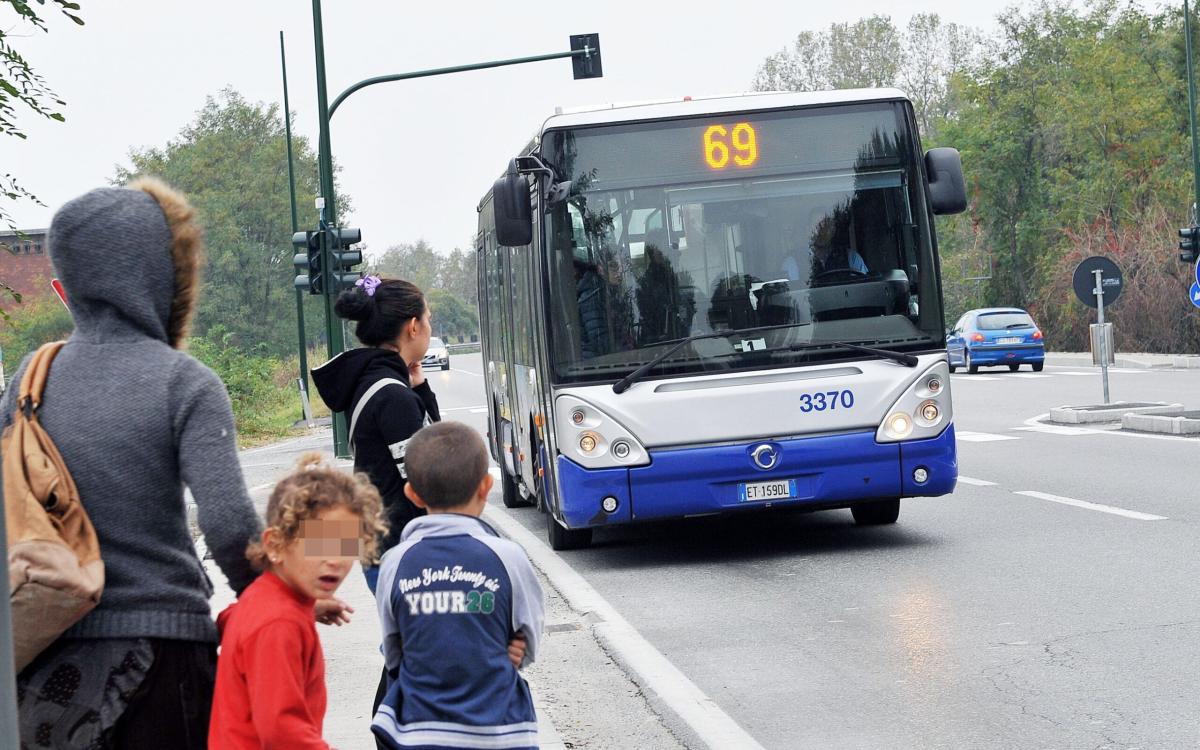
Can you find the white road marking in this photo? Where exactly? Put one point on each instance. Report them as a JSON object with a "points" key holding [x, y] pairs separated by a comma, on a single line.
{"points": [[472, 409], [1136, 515], [976, 482], [467, 372], [1053, 429], [1085, 374], [1028, 375], [981, 437], [260, 488], [715, 727], [964, 377]]}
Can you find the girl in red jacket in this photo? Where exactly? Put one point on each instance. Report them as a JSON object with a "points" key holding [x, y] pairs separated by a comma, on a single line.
{"points": [[270, 689]]}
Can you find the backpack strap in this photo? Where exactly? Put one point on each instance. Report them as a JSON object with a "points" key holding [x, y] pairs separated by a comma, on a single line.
{"points": [[375, 388], [29, 394]]}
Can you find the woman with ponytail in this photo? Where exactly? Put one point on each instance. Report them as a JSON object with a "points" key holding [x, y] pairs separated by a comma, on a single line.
{"points": [[382, 390]]}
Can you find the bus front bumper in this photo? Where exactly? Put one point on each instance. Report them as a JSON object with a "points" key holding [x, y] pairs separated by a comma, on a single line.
{"points": [[822, 472]]}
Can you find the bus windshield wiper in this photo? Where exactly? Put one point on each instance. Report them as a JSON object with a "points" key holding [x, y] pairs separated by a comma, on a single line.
{"points": [[908, 360], [623, 384]]}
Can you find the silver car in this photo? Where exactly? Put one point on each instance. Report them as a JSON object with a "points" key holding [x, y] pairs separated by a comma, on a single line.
{"points": [[437, 354]]}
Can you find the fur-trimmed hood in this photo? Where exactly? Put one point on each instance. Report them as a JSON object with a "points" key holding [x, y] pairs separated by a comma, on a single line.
{"points": [[129, 259]]}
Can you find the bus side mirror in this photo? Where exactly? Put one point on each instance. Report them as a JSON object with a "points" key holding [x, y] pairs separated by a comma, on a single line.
{"points": [[947, 188], [510, 201]]}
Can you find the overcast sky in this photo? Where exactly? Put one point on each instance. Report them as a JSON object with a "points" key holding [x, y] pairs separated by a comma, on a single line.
{"points": [[416, 156]]}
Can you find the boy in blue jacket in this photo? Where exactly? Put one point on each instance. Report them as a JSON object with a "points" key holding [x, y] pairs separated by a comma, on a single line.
{"points": [[451, 596]]}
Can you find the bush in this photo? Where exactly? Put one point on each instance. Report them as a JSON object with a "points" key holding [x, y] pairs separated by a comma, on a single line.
{"points": [[1153, 313], [265, 404], [31, 324]]}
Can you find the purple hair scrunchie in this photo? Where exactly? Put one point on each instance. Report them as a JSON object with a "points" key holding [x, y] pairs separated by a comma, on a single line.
{"points": [[369, 284]]}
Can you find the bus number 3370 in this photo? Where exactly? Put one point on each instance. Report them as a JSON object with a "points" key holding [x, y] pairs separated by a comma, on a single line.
{"points": [[826, 401]]}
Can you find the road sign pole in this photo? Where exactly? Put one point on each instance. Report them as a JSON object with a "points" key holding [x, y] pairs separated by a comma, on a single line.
{"points": [[1103, 339]]}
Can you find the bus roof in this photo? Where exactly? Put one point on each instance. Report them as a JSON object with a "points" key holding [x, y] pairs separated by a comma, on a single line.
{"points": [[704, 105]]}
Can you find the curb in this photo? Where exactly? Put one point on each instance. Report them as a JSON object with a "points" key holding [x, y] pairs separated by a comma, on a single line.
{"points": [[1114, 412], [1133, 361], [1184, 424]]}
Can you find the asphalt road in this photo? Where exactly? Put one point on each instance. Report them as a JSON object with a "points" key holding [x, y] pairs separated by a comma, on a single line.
{"points": [[985, 619]]}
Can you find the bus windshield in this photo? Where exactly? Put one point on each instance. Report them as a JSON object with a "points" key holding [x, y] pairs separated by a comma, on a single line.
{"points": [[810, 224]]}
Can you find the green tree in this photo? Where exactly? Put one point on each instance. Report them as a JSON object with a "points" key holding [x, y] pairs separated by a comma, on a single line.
{"points": [[451, 315], [21, 87], [459, 277], [416, 262], [872, 52], [1073, 121], [231, 162]]}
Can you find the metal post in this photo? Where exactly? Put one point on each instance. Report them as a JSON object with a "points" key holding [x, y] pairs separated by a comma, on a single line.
{"points": [[9, 736], [333, 328], [1103, 343], [1187, 32], [287, 121]]}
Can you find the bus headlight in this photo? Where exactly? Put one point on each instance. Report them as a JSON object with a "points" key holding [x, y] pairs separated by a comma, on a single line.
{"points": [[899, 426], [922, 411], [592, 438]]}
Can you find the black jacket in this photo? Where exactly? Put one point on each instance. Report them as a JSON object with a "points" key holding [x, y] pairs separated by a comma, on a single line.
{"points": [[392, 416]]}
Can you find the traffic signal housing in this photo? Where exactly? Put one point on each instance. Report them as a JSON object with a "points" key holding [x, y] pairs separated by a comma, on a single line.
{"points": [[1189, 244], [342, 259], [307, 261], [587, 65]]}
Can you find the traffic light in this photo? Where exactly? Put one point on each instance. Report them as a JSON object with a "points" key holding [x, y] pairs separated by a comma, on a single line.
{"points": [[587, 65], [342, 259], [1189, 243], [307, 261]]}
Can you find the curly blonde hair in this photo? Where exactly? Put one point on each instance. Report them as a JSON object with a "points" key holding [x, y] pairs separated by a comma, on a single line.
{"points": [[316, 485]]}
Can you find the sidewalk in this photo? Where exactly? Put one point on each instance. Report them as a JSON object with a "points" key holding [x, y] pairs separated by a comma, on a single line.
{"points": [[1130, 360], [353, 664]]}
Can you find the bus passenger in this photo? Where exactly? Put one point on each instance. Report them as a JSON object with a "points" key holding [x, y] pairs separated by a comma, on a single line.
{"points": [[657, 297], [589, 292]]}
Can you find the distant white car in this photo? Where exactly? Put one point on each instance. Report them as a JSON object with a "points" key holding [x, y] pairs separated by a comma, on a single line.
{"points": [[437, 354]]}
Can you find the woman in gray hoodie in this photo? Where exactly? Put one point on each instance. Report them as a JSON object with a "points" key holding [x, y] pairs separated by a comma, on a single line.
{"points": [[137, 419]]}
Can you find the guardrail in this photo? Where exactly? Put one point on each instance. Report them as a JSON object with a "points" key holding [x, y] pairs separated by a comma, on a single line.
{"points": [[463, 348]]}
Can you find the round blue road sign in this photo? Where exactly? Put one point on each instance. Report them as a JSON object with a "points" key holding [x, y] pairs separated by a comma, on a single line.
{"points": [[1198, 270], [1194, 294]]}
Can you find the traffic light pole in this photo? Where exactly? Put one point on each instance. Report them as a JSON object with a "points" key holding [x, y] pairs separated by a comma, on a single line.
{"points": [[1187, 32], [333, 328], [585, 51], [287, 120]]}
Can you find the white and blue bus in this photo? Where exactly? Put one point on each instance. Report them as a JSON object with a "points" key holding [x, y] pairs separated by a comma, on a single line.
{"points": [[712, 305]]}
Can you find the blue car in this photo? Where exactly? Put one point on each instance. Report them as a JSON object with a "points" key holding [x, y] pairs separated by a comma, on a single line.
{"points": [[995, 336]]}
